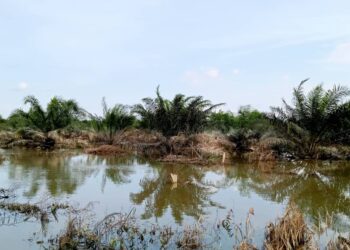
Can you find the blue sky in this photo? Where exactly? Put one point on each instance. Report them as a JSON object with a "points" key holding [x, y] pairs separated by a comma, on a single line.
{"points": [[237, 52]]}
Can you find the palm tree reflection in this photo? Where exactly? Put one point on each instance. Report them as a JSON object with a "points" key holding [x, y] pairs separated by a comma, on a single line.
{"points": [[189, 197]]}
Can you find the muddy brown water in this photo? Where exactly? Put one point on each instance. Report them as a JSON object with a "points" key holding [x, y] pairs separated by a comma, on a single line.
{"points": [[320, 189]]}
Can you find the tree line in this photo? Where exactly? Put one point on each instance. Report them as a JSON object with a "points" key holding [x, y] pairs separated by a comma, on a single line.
{"points": [[319, 117]]}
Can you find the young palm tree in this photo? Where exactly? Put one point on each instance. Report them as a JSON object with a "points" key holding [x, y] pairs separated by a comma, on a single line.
{"points": [[59, 114], [182, 114], [113, 120], [311, 118]]}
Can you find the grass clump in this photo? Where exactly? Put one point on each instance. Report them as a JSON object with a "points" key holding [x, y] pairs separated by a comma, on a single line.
{"points": [[289, 232], [191, 238], [341, 243]]}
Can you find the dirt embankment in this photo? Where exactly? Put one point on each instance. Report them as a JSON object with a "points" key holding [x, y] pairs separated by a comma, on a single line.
{"points": [[196, 149], [27, 138], [203, 148]]}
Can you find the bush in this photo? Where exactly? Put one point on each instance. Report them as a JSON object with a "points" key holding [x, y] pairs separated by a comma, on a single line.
{"points": [[247, 119]]}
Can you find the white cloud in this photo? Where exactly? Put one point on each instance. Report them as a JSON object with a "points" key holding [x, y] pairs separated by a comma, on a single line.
{"points": [[341, 54], [236, 71], [212, 73], [201, 76], [22, 86]]}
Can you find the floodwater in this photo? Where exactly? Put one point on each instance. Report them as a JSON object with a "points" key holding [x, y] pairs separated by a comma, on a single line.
{"points": [[113, 184]]}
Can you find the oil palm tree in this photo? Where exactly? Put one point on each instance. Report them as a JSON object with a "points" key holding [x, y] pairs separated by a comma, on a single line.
{"points": [[311, 118], [58, 114], [182, 114], [114, 119]]}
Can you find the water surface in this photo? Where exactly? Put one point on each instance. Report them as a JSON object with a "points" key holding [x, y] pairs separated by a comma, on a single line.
{"points": [[206, 193]]}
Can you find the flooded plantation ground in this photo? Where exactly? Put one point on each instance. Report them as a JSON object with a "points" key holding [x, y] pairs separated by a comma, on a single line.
{"points": [[321, 190]]}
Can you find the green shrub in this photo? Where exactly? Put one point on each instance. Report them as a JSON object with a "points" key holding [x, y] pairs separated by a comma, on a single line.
{"points": [[247, 118]]}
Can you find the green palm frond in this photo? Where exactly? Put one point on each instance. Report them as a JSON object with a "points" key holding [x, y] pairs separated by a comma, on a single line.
{"points": [[181, 114], [312, 117]]}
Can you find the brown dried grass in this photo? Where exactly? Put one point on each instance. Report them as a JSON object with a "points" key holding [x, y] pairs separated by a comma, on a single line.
{"points": [[340, 243], [246, 246], [289, 232], [107, 150], [191, 238]]}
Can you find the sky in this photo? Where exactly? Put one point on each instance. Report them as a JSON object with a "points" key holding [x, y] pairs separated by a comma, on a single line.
{"points": [[237, 52]]}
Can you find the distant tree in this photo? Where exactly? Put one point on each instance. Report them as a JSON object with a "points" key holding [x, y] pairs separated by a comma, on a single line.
{"points": [[182, 114], [247, 119]]}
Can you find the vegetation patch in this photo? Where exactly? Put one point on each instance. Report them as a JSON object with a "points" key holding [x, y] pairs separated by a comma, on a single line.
{"points": [[41, 212], [341, 243], [289, 232], [315, 125]]}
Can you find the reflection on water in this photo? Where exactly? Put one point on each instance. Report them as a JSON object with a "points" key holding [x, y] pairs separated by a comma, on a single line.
{"points": [[128, 182], [317, 195], [184, 198]]}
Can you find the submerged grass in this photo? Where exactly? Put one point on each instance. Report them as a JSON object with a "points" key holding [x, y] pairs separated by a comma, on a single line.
{"points": [[341, 243], [125, 231], [28, 210], [289, 232]]}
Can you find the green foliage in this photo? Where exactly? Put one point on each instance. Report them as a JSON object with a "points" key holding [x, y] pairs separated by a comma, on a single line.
{"points": [[243, 139], [312, 118], [182, 114], [340, 131], [222, 121], [59, 114], [247, 119], [3, 123], [114, 119]]}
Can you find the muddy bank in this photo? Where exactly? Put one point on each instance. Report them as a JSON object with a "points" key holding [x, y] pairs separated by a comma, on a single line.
{"points": [[58, 139], [202, 149]]}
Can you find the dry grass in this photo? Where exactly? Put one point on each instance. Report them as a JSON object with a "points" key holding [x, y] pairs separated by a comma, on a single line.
{"points": [[340, 243], [107, 150], [183, 160], [191, 238], [40, 212], [138, 136], [289, 232], [27, 209], [195, 149], [246, 246]]}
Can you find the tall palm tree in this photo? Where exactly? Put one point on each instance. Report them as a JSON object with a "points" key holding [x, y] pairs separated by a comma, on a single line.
{"points": [[311, 118]]}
